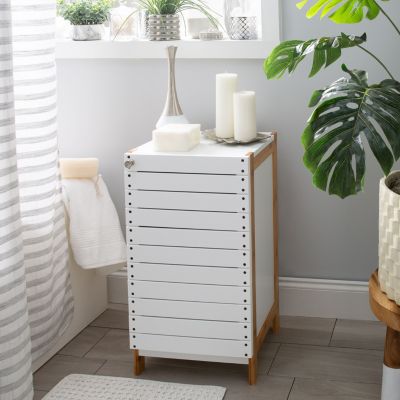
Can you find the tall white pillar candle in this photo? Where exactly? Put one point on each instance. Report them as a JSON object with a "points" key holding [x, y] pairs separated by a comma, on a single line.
{"points": [[226, 85], [245, 121]]}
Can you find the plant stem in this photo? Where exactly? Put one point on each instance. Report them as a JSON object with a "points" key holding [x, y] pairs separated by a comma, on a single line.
{"points": [[377, 59], [390, 19], [123, 24]]}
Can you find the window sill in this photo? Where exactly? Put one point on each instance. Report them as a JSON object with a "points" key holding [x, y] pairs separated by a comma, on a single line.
{"points": [[221, 49]]}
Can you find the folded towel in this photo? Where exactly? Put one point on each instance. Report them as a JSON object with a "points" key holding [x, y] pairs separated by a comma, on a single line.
{"points": [[94, 229]]}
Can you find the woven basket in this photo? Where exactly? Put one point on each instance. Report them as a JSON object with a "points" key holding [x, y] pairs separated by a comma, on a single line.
{"points": [[389, 238]]}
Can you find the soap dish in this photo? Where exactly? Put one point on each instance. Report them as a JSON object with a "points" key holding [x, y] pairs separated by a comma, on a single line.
{"points": [[211, 135], [211, 34]]}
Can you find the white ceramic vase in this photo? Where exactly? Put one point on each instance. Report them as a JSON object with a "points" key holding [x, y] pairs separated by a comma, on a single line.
{"points": [[389, 238], [87, 32], [172, 113]]}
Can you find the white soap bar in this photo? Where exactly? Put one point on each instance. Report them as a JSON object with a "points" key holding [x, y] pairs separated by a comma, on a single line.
{"points": [[176, 137], [79, 168]]}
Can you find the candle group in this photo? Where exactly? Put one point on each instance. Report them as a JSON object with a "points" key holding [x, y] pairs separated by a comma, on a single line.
{"points": [[235, 111]]}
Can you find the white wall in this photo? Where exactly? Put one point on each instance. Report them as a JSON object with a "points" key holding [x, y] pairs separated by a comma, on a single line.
{"points": [[109, 106]]}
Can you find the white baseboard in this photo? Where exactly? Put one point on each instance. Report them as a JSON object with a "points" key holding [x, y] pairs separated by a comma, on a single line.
{"points": [[324, 298], [298, 297]]}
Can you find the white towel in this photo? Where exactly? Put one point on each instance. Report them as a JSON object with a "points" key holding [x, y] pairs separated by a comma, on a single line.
{"points": [[94, 229]]}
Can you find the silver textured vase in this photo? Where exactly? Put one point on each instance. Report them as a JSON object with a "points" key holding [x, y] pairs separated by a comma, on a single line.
{"points": [[163, 27], [172, 113], [243, 28], [87, 32], [241, 19]]}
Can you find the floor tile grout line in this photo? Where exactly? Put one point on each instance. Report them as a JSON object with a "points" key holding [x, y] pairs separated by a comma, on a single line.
{"points": [[108, 327], [270, 371], [367, 381], [101, 366], [327, 346], [291, 388], [303, 343], [273, 358], [336, 380], [97, 342], [333, 332]]}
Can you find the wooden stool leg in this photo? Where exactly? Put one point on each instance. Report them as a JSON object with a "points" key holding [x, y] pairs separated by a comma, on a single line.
{"points": [[139, 363], [392, 349], [391, 367], [252, 370]]}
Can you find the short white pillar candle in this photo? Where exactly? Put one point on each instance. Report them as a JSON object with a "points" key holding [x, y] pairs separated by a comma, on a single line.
{"points": [[226, 86], [245, 119]]}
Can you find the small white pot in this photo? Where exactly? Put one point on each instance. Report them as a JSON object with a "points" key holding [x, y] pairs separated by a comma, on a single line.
{"points": [[389, 238], [197, 25], [88, 32]]}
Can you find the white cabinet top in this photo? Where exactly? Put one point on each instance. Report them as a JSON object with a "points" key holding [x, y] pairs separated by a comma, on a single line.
{"points": [[208, 148]]}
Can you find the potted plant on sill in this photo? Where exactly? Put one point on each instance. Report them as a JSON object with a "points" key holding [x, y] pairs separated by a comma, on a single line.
{"points": [[348, 114], [86, 16], [163, 16]]}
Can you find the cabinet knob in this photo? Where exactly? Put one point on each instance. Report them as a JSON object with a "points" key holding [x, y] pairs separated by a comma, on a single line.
{"points": [[129, 164]]}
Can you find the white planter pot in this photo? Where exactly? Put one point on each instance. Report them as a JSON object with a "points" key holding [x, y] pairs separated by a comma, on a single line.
{"points": [[389, 238], [88, 32]]}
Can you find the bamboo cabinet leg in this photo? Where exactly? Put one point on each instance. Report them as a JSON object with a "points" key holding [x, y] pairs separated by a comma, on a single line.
{"points": [[276, 324], [252, 370], [139, 363]]}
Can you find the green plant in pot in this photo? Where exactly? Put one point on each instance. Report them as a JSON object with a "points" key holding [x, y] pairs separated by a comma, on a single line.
{"points": [[86, 16], [163, 22], [348, 115]]}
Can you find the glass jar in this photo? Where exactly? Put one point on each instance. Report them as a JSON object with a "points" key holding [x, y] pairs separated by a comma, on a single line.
{"points": [[241, 20], [123, 22], [143, 24]]}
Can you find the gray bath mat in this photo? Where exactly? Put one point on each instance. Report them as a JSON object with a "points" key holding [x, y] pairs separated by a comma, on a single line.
{"points": [[95, 387]]}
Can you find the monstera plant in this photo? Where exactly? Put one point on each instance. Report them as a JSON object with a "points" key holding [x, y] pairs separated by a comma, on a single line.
{"points": [[350, 113]]}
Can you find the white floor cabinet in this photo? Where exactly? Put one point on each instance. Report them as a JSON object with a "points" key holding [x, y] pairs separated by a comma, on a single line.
{"points": [[202, 252]]}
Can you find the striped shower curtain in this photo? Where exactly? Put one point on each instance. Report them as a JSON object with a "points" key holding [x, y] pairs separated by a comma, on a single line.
{"points": [[35, 294]]}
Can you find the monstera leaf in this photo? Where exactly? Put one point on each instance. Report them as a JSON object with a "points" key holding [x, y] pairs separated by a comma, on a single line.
{"points": [[326, 50], [343, 11], [348, 113]]}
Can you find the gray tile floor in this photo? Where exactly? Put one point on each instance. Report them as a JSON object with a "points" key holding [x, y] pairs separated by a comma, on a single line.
{"points": [[312, 358]]}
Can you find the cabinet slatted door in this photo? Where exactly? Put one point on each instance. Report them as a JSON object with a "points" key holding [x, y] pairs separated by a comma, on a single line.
{"points": [[189, 274], [220, 221], [189, 256], [189, 292], [192, 328], [191, 345], [187, 201], [189, 238], [188, 310], [197, 183], [191, 252]]}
